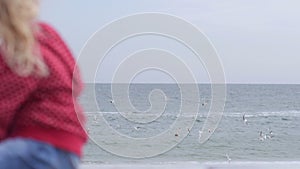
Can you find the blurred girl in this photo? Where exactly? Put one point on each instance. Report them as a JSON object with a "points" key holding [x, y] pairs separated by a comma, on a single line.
{"points": [[40, 118]]}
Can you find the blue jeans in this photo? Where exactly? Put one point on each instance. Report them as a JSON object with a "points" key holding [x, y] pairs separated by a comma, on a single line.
{"points": [[21, 153]]}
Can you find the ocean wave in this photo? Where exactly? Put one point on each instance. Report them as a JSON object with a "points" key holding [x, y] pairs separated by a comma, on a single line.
{"points": [[290, 113], [196, 165]]}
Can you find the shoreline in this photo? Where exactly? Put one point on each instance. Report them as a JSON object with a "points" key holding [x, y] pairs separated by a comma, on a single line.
{"points": [[197, 165]]}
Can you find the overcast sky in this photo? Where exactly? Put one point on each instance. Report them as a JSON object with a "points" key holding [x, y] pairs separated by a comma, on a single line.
{"points": [[257, 41]]}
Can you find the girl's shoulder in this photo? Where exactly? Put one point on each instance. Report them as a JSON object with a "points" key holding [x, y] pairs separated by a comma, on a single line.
{"points": [[47, 32]]}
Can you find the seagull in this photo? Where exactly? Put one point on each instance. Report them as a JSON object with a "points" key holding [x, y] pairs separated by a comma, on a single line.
{"points": [[95, 117], [200, 133], [177, 132], [204, 103], [228, 158], [245, 120], [270, 135], [265, 136], [111, 101], [262, 136], [137, 128]]}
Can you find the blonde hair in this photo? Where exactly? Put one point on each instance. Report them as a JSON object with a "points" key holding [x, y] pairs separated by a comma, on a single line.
{"points": [[17, 30]]}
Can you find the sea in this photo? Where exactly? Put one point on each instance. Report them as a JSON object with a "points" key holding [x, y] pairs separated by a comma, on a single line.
{"points": [[260, 122]]}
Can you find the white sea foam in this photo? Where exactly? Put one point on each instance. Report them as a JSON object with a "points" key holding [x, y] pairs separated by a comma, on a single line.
{"points": [[196, 165], [290, 113]]}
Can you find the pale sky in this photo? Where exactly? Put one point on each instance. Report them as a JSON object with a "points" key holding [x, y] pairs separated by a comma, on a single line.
{"points": [[257, 41]]}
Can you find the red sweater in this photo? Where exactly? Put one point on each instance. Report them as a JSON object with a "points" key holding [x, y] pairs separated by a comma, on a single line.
{"points": [[44, 109]]}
